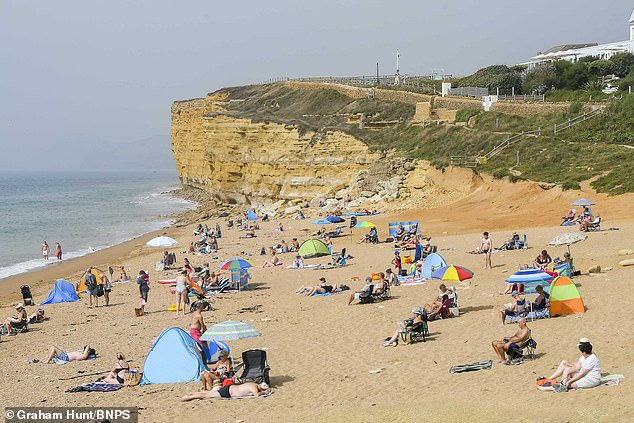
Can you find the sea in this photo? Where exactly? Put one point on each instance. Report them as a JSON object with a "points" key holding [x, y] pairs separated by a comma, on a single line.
{"points": [[83, 211]]}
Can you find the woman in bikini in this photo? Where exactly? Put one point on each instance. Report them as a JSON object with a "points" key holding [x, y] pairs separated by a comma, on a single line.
{"points": [[543, 260], [218, 372], [118, 372]]}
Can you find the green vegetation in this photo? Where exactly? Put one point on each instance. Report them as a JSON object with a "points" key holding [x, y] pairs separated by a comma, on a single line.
{"points": [[597, 148]]}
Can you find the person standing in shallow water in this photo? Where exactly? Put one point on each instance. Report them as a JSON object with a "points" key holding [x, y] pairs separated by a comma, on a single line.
{"points": [[58, 251], [486, 247], [45, 250]]}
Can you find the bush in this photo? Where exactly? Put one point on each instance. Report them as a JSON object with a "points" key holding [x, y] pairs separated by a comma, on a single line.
{"points": [[575, 107], [465, 114], [622, 63], [492, 77], [540, 79]]}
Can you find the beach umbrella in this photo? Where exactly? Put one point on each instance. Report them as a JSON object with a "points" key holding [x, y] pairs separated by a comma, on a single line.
{"points": [[323, 221], [313, 248], [452, 273], [236, 264], [525, 276], [161, 241], [583, 202], [567, 239], [229, 330], [365, 225]]}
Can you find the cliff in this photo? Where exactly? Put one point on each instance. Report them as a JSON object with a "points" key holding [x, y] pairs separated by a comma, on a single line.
{"points": [[241, 161]]}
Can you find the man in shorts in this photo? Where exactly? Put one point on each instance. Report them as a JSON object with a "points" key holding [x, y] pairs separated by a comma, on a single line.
{"points": [[247, 389], [367, 289], [502, 346], [91, 287]]}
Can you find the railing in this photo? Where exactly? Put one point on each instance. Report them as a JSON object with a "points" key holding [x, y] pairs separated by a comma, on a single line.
{"points": [[415, 81], [574, 121], [469, 92], [467, 161], [522, 97], [510, 141]]}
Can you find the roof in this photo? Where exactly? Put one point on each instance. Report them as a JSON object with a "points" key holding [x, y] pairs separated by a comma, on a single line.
{"points": [[565, 47], [632, 16]]}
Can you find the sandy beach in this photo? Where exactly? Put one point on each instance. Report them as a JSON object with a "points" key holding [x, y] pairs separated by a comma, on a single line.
{"points": [[327, 359]]}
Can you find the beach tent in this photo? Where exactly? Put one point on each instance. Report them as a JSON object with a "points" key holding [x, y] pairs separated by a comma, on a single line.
{"points": [[174, 357], [432, 263], [251, 215], [393, 227], [565, 297], [62, 292], [313, 248], [100, 275]]}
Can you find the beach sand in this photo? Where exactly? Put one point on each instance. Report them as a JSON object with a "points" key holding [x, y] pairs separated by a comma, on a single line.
{"points": [[322, 351]]}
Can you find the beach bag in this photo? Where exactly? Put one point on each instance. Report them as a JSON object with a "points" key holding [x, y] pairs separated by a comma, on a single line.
{"points": [[90, 281], [131, 379], [407, 260], [138, 312], [100, 290]]}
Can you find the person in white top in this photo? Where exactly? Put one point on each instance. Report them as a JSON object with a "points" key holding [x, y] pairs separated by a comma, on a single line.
{"points": [[585, 373], [182, 283]]}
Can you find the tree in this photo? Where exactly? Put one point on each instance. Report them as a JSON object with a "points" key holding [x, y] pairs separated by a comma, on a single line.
{"points": [[622, 63], [540, 79], [601, 67]]}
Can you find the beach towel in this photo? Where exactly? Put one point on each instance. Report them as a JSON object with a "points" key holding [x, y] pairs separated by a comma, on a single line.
{"points": [[533, 315], [470, 367], [60, 361], [408, 281], [96, 387]]}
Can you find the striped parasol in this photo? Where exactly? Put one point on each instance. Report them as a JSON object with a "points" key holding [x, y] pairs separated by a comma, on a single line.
{"points": [[229, 330], [365, 224], [236, 264], [525, 276]]}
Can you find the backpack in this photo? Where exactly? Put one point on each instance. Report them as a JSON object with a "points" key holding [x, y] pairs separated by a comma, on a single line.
{"points": [[91, 281]]}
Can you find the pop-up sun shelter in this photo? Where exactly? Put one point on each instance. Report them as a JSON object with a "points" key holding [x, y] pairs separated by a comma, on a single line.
{"points": [[313, 248], [407, 226], [432, 263], [62, 292], [565, 297], [251, 215], [175, 357]]}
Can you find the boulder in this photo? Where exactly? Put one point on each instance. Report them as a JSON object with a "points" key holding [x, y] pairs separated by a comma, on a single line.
{"points": [[595, 269], [626, 252], [628, 262], [366, 194]]}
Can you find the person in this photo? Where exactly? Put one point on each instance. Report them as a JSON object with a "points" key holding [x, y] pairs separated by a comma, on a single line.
{"points": [[418, 271], [294, 245], [381, 284], [299, 215], [502, 346], [511, 243], [187, 266], [197, 326], [144, 288], [585, 223], [58, 251], [322, 288], [218, 231], [123, 276], [38, 316], [542, 260], [417, 317], [107, 289], [247, 389], [585, 373], [392, 279], [61, 355], [218, 372], [396, 261], [418, 254], [518, 308], [367, 288], [541, 302], [486, 247], [328, 242], [17, 322], [400, 233], [284, 247], [45, 250], [570, 216], [437, 302], [90, 280], [298, 262], [273, 261], [118, 372], [192, 247], [182, 285]]}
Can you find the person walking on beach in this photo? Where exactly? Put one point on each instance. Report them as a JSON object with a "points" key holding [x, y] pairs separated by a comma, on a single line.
{"points": [[182, 285], [45, 250], [107, 289], [91, 287], [58, 251], [486, 247], [197, 326], [144, 288]]}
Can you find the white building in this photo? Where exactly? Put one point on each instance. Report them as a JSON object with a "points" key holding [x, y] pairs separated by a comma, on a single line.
{"points": [[574, 52]]}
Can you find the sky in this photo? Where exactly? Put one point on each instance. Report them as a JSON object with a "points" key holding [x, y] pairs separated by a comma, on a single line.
{"points": [[90, 83]]}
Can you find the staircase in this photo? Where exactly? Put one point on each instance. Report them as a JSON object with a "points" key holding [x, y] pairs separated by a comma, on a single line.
{"points": [[475, 161]]}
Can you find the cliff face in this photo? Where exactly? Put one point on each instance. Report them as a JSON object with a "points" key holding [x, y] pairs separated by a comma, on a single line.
{"points": [[240, 161]]}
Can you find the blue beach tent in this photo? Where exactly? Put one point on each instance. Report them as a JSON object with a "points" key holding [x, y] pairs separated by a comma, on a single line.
{"points": [[62, 292], [251, 215], [174, 357], [432, 263]]}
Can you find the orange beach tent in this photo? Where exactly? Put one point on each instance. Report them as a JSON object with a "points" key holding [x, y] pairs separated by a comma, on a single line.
{"points": [[565, 297], [100, 275]]}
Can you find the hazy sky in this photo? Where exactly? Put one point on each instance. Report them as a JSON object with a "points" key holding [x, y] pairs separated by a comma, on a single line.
{"points": [[93, 80]]}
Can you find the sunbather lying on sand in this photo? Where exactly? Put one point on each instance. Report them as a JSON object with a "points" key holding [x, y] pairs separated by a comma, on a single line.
{"points": [[248, 389], [322, 288], [58, 353]]}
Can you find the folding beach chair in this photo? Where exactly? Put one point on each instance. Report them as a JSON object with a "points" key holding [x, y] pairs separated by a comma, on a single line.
{"points": [[255, 368]]}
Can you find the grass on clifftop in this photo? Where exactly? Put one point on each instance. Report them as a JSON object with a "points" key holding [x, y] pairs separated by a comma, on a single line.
{"points": [[597, 147]]}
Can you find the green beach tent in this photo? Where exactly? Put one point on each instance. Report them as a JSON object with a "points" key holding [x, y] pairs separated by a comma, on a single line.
{"points": [[565, 297], [313, 248]]}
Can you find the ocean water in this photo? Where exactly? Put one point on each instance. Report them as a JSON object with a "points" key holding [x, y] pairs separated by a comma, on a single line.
{"points": [[83, 211]]}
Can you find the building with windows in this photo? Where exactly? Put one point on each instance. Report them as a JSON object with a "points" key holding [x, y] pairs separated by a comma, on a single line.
{"points": [[574, 52]]}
